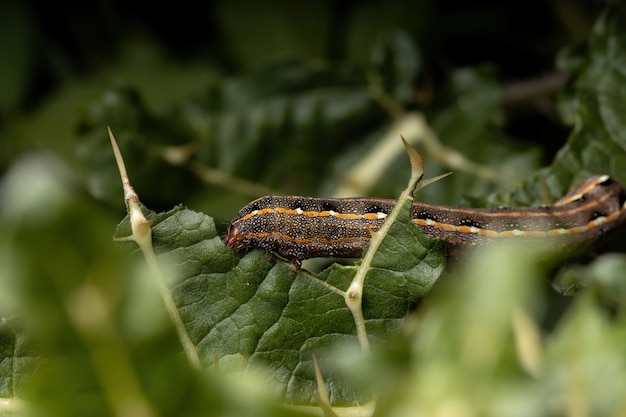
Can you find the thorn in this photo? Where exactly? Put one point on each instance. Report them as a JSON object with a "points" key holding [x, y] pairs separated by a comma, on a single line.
{"points": [[322, 398]]}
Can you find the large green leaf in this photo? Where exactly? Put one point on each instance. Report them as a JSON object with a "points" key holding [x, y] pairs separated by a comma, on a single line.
{"points": [[247, 311]]}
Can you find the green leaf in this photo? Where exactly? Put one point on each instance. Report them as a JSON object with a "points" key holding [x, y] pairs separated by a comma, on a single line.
{"points": [[246, 311], [602, 277], [19, 358]]}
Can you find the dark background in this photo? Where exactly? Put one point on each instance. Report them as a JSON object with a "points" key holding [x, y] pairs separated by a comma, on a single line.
{"points": [[48, 46]]}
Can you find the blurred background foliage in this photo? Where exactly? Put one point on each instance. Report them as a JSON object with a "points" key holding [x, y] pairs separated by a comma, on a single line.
{"points": [[219, 102], [224, 72]]}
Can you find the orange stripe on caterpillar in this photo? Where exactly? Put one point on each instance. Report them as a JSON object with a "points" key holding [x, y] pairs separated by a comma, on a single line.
{"points": [[298, 228]]}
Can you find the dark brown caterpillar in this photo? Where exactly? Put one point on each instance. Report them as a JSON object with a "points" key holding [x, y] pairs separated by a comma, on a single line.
{"points": [[298, 228]]}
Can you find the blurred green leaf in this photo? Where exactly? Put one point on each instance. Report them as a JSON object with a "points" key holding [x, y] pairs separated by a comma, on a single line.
{"points": [[585, 362], [239, 127], [396, 62], [602, 277], [462, 349], [296, 127], [598, 142], [468, 117], [143, 138], [463, 353]]}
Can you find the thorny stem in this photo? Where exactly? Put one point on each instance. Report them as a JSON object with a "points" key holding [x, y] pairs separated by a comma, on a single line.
{"points": [[354, 294], [142, 235]]}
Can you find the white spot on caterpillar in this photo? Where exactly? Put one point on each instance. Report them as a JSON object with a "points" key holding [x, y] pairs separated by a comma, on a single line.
{"points": [[299, 210], [381, 215], [598, 221], [576, 197], [514, 232], [332, 213]]}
